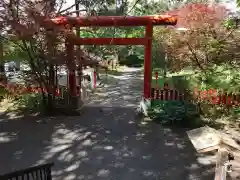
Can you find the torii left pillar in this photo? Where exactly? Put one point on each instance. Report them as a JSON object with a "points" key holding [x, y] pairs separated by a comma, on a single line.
{"points": [[72, 86]]}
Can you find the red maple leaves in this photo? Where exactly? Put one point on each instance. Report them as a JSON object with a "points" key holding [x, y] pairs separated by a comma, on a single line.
{"points": [[198, 15]]}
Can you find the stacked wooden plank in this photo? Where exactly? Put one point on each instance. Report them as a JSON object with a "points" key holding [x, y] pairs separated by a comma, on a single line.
{"points": [[206, 139]]}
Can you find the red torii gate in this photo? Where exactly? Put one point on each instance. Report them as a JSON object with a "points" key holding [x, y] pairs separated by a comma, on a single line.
{"points": [[116, 21]]}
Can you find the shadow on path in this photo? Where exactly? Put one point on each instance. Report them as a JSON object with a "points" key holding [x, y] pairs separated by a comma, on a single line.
{"points": [[108, 144]]}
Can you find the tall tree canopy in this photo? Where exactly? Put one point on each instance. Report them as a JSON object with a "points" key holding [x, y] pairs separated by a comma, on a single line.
{"points": [[205, 40]]}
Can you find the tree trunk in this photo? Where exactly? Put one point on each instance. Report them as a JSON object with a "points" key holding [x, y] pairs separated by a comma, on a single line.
{"points": [[50, 107], [51, 93], [165, 66], [2, 69], [44, 103], [97, 72]]}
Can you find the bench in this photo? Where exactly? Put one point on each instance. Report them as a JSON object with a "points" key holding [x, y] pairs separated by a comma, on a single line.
{"points": [[41, 172]]}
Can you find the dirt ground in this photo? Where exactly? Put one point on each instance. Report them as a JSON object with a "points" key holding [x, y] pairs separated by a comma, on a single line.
{"points": [[108, 141]]}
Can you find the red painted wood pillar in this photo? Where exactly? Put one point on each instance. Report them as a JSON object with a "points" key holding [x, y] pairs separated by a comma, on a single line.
{"points": [[71, 69], [147, 60], [94, 79]]}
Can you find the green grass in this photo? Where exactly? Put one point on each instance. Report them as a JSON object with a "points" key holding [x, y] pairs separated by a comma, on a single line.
{"points": [[30, 101], [2, 91], [222, 78], [22, 104]]}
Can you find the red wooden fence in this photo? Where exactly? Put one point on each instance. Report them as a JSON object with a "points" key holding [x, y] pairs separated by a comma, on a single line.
{"points": [[212, 96], [16, 89], [20, 89]]}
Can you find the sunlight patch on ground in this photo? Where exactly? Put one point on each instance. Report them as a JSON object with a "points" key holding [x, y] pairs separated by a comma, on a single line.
{"points": [[148, 157], [108, 147], [82, 154], [73, 166], [169, 143], [194, 166], [87, 142], [207, 160], [103, 173], [148, 173], [144, 123], [66, 156], [71, 176], [123, 77], [6, 137], [129, 69]]}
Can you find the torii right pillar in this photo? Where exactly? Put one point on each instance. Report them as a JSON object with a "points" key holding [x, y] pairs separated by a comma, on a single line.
{"points": [[148, 61]]}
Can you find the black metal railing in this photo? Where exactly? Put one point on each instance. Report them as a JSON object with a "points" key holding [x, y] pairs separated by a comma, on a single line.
{"points": [[41, 172]]}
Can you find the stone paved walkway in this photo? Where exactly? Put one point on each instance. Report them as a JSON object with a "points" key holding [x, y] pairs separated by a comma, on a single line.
{"points": [[107, 142]]}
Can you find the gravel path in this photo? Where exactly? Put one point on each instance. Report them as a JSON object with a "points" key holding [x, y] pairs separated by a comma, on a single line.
{"points": [[107, 142]]}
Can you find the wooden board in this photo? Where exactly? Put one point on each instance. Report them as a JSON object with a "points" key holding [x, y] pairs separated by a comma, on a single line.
{"points": [[229, 142], [204, 139], [222, 157]]}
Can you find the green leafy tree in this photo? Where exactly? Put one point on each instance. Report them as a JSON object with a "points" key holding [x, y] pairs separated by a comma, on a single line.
{"points": [[238, 3]]}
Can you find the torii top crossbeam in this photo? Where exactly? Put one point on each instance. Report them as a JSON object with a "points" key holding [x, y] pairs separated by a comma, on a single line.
{"points": [[102, 21]]}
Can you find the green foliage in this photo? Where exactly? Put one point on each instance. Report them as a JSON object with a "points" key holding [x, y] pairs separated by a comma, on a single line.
{"points": [[158, 55], [108, 50], [141, 8], [230, 23], [12, 51], [133, 60], [222, 78], [166, 111], [3, 93], [26, 104], [150, 8], [22, 102], [31, 103]]}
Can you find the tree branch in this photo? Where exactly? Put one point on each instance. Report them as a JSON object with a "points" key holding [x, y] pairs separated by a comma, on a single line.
{"points": [[70, 7], [195, 57], [3, 38], [60, 6], [229, 34], [68, 13], [33, 67]]}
